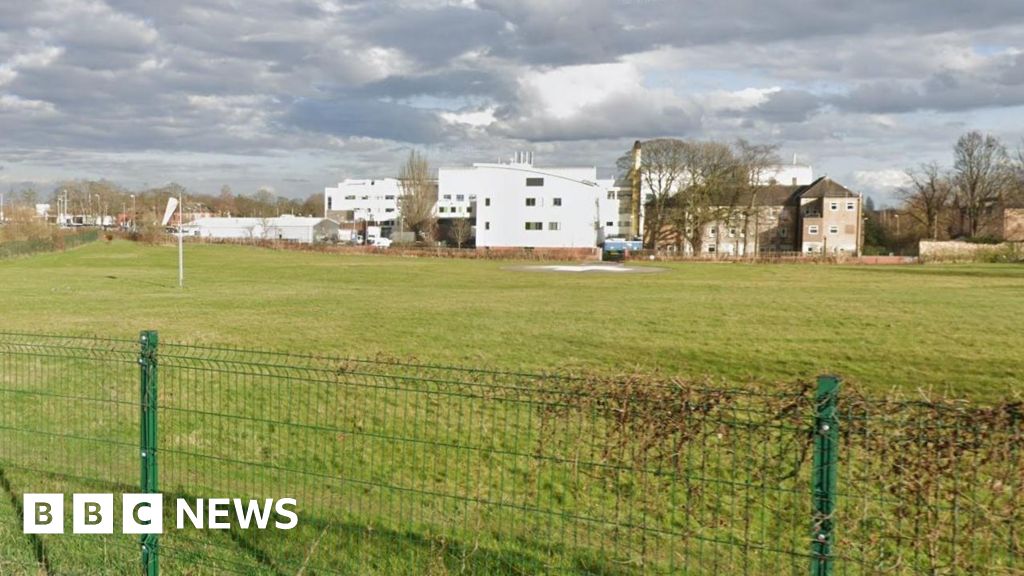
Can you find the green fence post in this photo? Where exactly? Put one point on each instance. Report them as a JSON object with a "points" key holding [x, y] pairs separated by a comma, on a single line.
{"points": [[147, 440], [823, 475]]}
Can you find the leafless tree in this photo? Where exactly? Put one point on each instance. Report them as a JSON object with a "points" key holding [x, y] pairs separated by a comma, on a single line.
{"points": [[661, 169], [461, 231], [419, 195], [709, 191], [928, 196], [981, 176], [752, 164]]}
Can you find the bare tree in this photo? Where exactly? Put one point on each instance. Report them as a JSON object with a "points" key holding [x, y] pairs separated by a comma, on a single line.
{"points": [[981, 175], [661, 170], [928, 196], [752, 163], [419, 195], [461, 231], [708, 194]]}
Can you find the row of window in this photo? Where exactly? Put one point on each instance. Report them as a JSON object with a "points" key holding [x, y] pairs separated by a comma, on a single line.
{"points": [[813, 229], [539, 226], [353, 197], [453, 210], [533, 202], [850, 206]]}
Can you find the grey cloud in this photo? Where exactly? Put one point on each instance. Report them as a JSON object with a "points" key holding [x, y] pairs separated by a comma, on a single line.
{"points": [[611, 118], [294, 76], [346, 116]]}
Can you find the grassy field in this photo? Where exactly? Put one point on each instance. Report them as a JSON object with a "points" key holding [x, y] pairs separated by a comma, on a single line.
{"points": [[439, 472], [929, 327]]}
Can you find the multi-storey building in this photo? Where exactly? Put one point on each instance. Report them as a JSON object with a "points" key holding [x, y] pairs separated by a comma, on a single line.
{"points": [[372, 201], [822, 217], [518, 204]]}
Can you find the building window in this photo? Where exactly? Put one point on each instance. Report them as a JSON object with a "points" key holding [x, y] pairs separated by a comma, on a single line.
{"points": [[554, 226], [534, 225], [533, 182], [609, 224], [711, 249], [812, 229], [531, 201], [330, 203], [557, 201], [441, 209], [849, 206], [782, 232], [487, 201], [611, 196], [833, 229], [487, 225], [390, 197], [712, 231], [834, 206], [732, 232], [469, 209], [350, 197], [460, 197], [389, 209], [447, 196]]}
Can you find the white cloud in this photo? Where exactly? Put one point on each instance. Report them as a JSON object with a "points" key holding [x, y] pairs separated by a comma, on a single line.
{"points": [[881, 180]]}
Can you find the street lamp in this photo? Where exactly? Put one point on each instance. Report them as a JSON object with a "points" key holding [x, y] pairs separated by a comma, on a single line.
{"points": [[133, 212]]}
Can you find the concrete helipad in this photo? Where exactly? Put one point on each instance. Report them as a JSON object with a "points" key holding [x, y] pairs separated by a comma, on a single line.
{"points": [[594, 268]]}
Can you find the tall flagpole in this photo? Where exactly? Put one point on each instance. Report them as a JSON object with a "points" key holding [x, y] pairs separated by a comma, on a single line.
{"points": [[181, 240]]}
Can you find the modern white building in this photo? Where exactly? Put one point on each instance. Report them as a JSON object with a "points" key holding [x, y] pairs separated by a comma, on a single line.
{"points": [[521, 205], [367, 200], [788, 175], [289, 228]]}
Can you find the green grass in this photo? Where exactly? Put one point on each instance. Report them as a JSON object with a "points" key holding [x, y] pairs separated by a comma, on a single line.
{"points": [[931, 327], [442, 478]]}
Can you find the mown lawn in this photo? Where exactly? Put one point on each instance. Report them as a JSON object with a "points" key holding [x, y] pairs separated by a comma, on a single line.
{"points": [[929, 327], [410, 473]]}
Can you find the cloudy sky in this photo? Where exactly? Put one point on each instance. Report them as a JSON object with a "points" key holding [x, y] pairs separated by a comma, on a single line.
{"points": [[297, 95]]}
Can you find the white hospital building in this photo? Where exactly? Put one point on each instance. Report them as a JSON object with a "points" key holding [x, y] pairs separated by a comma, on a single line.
{"points": [[518, 204]]}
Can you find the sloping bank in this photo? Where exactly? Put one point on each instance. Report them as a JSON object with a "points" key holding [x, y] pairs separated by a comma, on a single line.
{"points": [[56, 242]]}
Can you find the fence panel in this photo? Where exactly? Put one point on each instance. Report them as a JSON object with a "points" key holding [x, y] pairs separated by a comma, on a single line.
{"points": [[68, 424], [402, 468]]}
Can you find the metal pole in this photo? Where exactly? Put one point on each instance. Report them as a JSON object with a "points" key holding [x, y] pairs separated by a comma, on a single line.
{"points": [[823, 475], [181, 240], [148, 441]]}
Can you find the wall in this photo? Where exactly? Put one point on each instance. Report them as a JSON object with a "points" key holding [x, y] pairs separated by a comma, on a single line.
{"points": [[956, 251]]}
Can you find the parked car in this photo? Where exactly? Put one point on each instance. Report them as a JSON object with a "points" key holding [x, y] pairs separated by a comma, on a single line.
{"points": [[379, 242]]}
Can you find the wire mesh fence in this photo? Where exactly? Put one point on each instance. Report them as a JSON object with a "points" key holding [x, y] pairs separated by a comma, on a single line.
{"points": [[57, 241], [406, 468]]}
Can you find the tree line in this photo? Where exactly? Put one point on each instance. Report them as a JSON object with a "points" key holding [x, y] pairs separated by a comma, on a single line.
{"points": [[99, 198], [964, 200]]}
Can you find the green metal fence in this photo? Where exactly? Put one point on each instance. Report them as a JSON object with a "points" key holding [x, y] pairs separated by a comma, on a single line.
{"points": [[12, 248], [405, 468]]}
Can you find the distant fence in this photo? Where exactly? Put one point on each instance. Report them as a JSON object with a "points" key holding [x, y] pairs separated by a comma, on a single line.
{"points": [[768, 257], [59, 241], [407, 468], [540, 254]]}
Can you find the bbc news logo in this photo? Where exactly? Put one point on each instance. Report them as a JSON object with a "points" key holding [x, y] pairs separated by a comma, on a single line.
{"points": [[144, 513]]}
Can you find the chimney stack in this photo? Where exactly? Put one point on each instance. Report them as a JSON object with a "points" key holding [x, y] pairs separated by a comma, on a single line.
{"points": [[635, 193]]}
